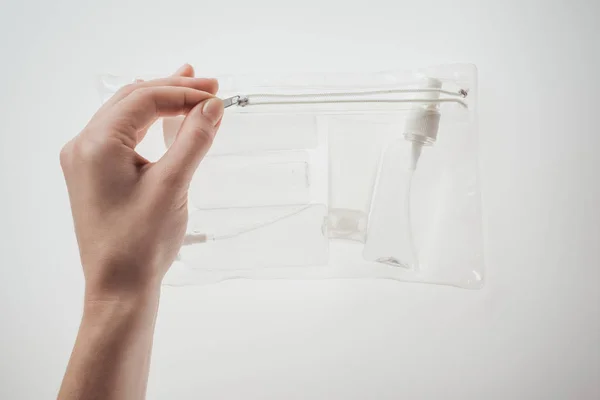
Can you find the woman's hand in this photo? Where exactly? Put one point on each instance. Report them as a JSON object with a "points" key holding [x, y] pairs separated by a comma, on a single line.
{"points": [[130, 214], [130, 218]]}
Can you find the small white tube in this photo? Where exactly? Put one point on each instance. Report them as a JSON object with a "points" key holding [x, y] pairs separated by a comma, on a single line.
{"points": [[415, 153]]}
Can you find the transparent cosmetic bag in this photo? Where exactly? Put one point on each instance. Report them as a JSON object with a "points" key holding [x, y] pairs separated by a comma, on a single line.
{"points": [[341, 175]]}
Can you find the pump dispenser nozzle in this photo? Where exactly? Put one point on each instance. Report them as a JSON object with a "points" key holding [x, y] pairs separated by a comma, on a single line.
{"points": [[423, 121]]}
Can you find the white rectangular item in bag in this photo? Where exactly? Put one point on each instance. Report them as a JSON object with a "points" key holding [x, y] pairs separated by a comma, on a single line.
{"points": [[342, 175]]}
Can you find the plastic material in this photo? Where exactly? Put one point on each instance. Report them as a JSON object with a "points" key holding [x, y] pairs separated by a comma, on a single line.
{"points": [[324, 176]]}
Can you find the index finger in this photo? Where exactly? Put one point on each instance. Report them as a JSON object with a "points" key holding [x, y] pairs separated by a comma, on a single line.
{"points": [[145, 104], [204, 84]]}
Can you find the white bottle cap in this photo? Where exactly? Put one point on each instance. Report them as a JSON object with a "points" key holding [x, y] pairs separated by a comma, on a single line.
{"points": [[423, 121]]}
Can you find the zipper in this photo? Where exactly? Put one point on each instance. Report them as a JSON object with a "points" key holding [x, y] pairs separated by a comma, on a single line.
{"points": [[429, 96]]}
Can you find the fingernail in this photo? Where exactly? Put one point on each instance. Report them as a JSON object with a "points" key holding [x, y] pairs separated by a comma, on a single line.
{"points": [[213, 110]]}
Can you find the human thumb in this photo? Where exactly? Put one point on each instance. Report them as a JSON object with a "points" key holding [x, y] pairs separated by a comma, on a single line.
{"points": [[193, 140]]}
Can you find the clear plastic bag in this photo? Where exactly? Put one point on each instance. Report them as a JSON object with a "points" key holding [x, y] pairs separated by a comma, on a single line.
{"points": [[350, 176]]}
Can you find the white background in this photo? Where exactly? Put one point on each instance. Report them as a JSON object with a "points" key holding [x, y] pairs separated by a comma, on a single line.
{"points": [[532, 333]]}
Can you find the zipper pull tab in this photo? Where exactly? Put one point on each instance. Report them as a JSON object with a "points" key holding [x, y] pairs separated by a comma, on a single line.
{"points": [[230, 101], [235, 100]]}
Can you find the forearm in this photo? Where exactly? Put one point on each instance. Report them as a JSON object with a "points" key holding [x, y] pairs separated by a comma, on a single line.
{"points": [[111, 357]]}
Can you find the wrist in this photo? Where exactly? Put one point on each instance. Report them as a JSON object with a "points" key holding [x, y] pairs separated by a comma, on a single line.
{"points": [[105, 311], [119, 282], [97, 299]]}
